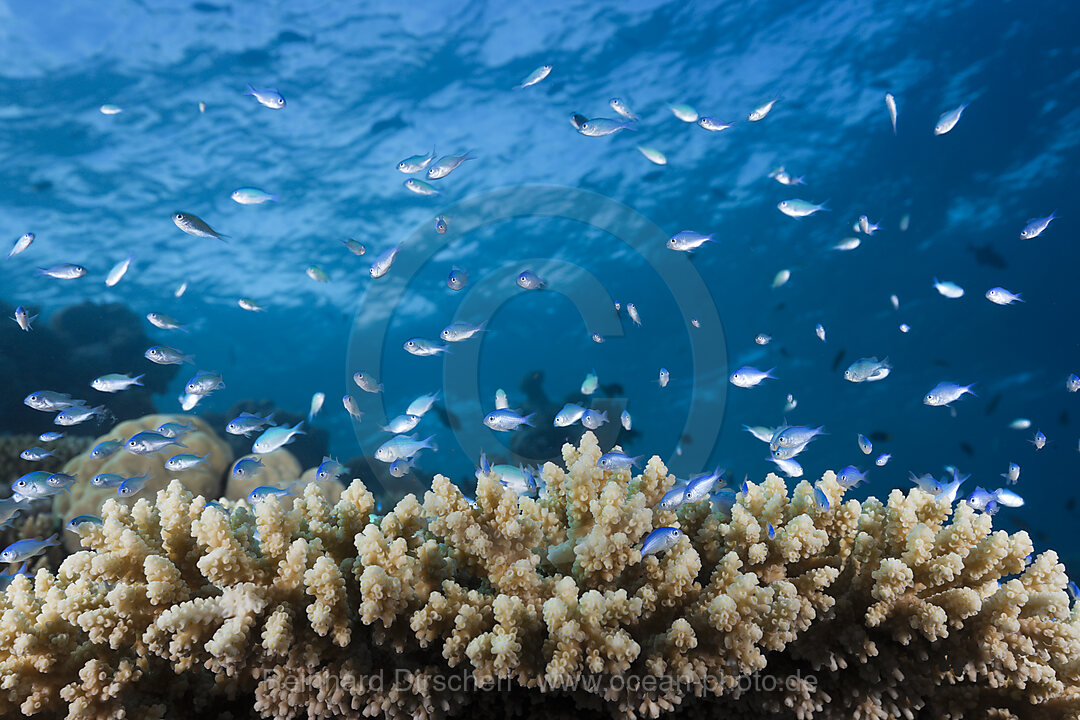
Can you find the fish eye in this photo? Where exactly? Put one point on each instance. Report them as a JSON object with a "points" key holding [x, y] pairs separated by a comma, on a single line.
{"points": [[179, 216]]}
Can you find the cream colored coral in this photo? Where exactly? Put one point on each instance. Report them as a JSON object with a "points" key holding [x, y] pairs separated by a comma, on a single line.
{"points": [[864, 610]]}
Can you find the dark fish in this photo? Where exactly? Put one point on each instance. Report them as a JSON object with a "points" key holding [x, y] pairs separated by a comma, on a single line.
{"points": [[577, 120], [968, 450], [784, 351], [880, 436], [987, 255], [992, 405], [1063, 418], [194, 225], [780, 306], [687, 439], [394, 123], [838, 359]]}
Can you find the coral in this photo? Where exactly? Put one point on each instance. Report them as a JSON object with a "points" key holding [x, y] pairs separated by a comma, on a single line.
{"points": [[280, 470], [204, 479], [902, 608]]}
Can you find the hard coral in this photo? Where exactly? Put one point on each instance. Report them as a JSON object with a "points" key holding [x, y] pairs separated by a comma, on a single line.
{"points": [[901, 608]]}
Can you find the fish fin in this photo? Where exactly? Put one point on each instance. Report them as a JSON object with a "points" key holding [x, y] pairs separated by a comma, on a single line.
{"points": [[135, 380], [250, 90]]}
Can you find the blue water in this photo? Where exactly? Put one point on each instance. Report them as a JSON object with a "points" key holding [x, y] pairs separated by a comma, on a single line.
{"points": [[368, 87]]}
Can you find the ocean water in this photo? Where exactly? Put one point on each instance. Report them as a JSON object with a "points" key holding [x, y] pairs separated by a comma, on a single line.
{"points": [[368, 86]]}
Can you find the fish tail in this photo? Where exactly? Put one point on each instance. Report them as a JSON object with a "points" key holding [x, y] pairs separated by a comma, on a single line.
{"points": [[53, 539], [296, 428], [433, 447], [190, 359], [527, 420], [250, 90], [179, 444], [137, 380]]}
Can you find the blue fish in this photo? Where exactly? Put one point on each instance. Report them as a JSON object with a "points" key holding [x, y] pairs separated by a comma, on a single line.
{"points": [[821, 499], [265, 492]]}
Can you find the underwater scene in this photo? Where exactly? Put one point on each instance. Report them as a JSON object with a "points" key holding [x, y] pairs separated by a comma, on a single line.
{"points": [[507, 360]]}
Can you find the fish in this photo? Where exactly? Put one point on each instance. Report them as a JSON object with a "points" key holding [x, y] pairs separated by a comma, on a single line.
{"points": [[1013, 474], [762, 339], [63, 271], [104, 449], [577, 120], [590, 383], [267, 97], [821, 500], [276, 437], [890, 103], [761, 432], [422, 404], [781, 278], [50, 401], [25, 240], [1008, 498], [688, 241], [246, 423], [204, 383], [34, 486], [131, 486], [367, 382], [593, 419], [798, 208], [660, 540], [115, 382], [252, 196], [882, 459], [193, 225], [819, 330], [457, 278], [865, 445], [684, 112], [354, 246], [383, 262], [264, 493], [518, 479], [847, 244], [106, 480], [77, 414], [440, 225], [713, 125], [866, 227], [416, 163], [632, 311], [352, 407], [868, 370], [616, 460], [400, 467], [652, 155], [1072, 383], [904, 327], [782, 176], [1001, 296], [119, 270], [184, 461], [329, 470], [701, 487], [949, 489], [672, 499], [422, 347], [948, 120], [246, 467], [250, 305], [945, 393], [748, 377], [528, 280], [795, 436], [895, 302], [505, 420], [534, 77], [50, 436], [166, 355], [599, 127], [1039, 441], [317, 274], [189, 401], [665, 378], [501, 400], [403, 446], [23, 318], [22, 550], [459, 331], [35, 454], [402, 424], [759, 113], [1036, 226], [164, 322], [620, 107], [770, 530], [74, 523], [180, 290], [317, 400], [1020, 424], [148, 442], [850, 477], [569, 415], [626, 421], [420, 187], [446, 165], [789, 467], [948, 289]]}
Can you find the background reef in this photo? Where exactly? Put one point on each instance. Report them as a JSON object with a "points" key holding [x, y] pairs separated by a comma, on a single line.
{"points": [[907, 607]]}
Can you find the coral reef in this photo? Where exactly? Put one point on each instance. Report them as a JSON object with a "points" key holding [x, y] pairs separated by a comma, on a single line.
{"points": [[520, 607]]}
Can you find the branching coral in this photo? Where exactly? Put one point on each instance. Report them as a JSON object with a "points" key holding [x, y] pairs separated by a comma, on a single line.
{"points": [[872, 610]]}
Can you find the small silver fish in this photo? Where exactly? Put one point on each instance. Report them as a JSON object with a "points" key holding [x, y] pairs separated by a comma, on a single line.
{"points": [[529, 280], [620, 107], [250, 305], [660, 540], [948, 289], [616, 460], [367, 382], [420, 187], [180, 290], [194, 225], [590, 383], [247, 423], [383, 262], [632, 311], [118, 271], [50, 436], [798, 208], [148, 442], [652, 155], [760, 112], [945, 393], [569, 415], [781, 278], [354, 246], [204, 383], [789, 467], [865, 445], [21, 244], [23, 319], [534, 77], [164, 322], [1012, 475], [80, 414], [687, 241], [868, 370], [402, 446], [440, 225], [165, 355], [1035, 226], [847, 244], [457, 278], [131, 486], [762, 339], [35, 454], [50, 401], [317, 400], [104, 449], [866, 227], [626, 421], [748, 377], [506, 420], [446, 165], [713, 125], [592, 419], [63, 271], [400, 467], [276, 437], [420, 406], [1039, 441], [182, 462], [459, 331], [850, 477], [422, 347], [599, 127], [115, 382], [890, 103], [317, 274], [819, 330], [1001, 296], [664, 378], [948, 120], [252, 196], [22, 550], [267, 98], [401, 424], [684, 112], [882, 459], [416, 163], [1072, 383], [352, 407]]}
